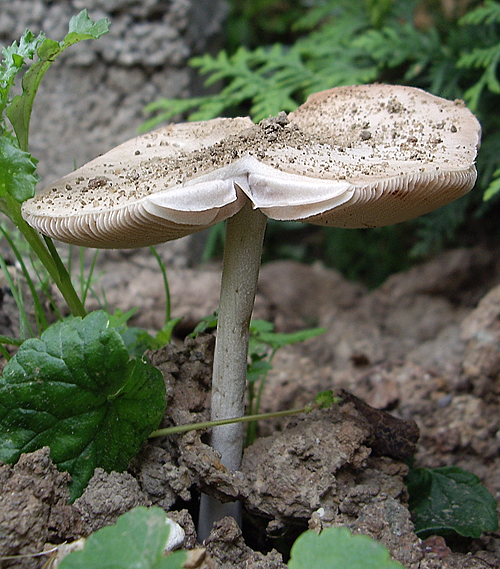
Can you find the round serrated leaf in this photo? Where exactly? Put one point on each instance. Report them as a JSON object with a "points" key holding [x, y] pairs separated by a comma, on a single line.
{"points": [[449, 499], [137, 540], [337, 548], [76, 391]]}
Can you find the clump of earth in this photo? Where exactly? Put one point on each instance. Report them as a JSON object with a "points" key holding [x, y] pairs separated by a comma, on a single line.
{"points": [[415, 362]]}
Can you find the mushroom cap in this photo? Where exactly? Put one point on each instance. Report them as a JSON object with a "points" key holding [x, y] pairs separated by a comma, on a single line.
{"points": [[395, 152], [104, 203], [360, 156]]}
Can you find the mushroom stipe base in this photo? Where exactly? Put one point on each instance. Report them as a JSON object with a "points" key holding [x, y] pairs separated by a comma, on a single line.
{"points": [[242, 256]]}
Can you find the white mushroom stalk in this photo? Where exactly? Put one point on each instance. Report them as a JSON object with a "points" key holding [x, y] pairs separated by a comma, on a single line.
{"points": [[242, 256], [361, 156]]}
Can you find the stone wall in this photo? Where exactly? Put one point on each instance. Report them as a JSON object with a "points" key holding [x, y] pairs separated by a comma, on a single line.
{"points": [[92, 98]]}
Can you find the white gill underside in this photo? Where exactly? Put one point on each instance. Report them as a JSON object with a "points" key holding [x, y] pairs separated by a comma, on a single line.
{"points": [[166, 216]]}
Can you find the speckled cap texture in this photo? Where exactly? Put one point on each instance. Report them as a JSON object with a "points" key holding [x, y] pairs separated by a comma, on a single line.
{"points": [[358, 156]]}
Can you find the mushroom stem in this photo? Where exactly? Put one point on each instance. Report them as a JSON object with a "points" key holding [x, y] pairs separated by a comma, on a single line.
{"points": [[242, 256]]}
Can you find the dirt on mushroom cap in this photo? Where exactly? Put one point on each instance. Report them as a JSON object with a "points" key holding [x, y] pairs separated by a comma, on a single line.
{"points": [[349, 157]]}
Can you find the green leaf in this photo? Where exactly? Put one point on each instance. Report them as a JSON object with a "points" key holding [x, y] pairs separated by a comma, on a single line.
{"points": [[487, 13], [449, 499], [337, 548], [259, 327], [81, 28], [257, 368], [261, 332], [278, 340], [137, 540], [13, 61], [138, 340], [17, 172], [325, 399], [164, 335], [339, 50], [76, 391], [494, 187], [206, 324]]}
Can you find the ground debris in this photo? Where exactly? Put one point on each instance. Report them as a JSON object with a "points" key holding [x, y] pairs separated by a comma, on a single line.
{"points": [[34, 509]]}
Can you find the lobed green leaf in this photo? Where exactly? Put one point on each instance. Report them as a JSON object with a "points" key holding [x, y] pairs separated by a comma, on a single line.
{"points": [[76, 390], [81, 28], [13, 61], [17, 172]]}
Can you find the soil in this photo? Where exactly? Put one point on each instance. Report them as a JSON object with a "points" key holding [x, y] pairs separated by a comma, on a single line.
{"points": [[416, 363]]}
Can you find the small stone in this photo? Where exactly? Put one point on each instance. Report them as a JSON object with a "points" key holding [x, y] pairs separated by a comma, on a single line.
{"points": [[176, 535]]}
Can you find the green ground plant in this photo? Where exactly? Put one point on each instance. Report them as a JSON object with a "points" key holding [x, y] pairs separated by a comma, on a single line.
{"points": [[17, 166], [448, 500], [76, 388], [263, 344]]}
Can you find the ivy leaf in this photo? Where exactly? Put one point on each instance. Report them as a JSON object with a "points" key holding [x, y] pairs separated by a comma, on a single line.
{"points": [[17, 172], [449, 499], [76, 390], [137, 540], [81, 28], [337, 548]]}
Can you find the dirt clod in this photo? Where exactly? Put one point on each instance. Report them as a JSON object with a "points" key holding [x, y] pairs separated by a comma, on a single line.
{"points": [[107, 497], [34, 509], [228, 550]]}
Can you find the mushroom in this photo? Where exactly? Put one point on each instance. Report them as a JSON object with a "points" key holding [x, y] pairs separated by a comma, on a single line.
{"points": [[358, 156]]}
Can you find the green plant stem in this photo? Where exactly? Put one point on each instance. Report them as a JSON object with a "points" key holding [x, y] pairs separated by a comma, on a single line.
{"points": [[252, 427], [86, 282], [65, 285], [24, 324], [262, 382], [163, 270], [43, 281], [41, 320], [48, 256], [10, 341], [5, 353], [247, 419]]}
